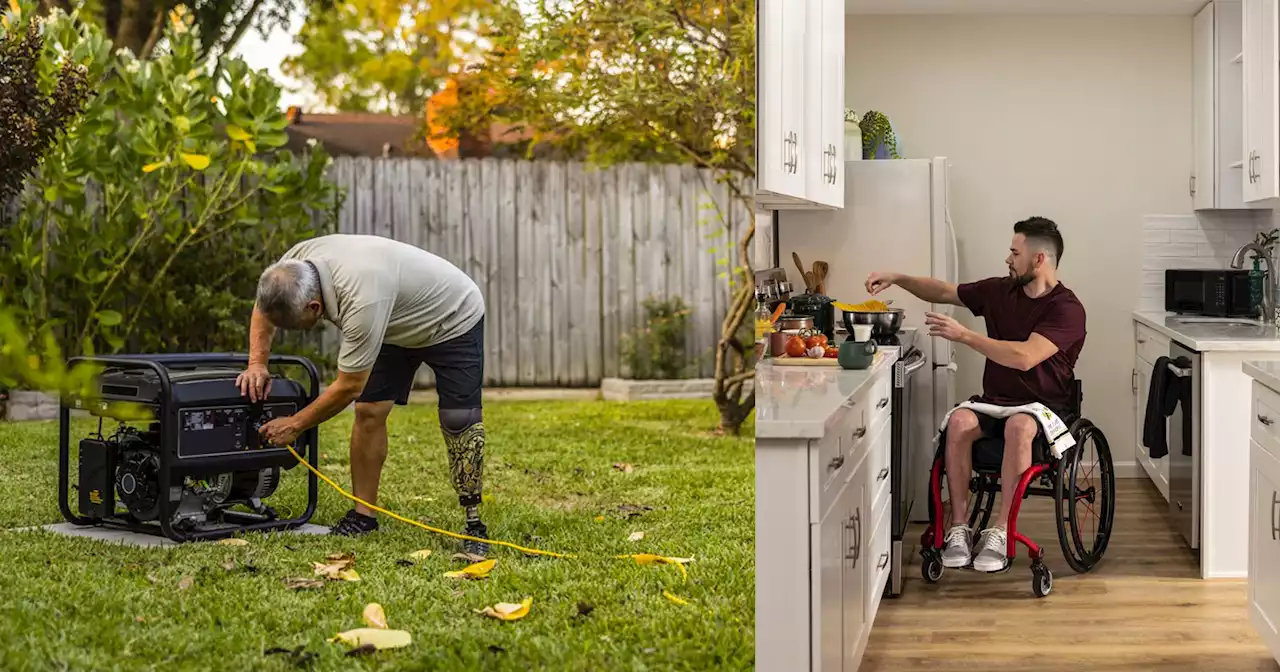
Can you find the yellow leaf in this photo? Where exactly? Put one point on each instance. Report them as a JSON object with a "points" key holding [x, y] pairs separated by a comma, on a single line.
{"points": [[378, 637], [4, 21], [196, 161], [479, 570], [232, 541], [505, 611], [348, 575], [599, 519], [673, 598], [651, 559], [374, 616], [636, 536], [154, 166], [249, 145], [236, 133], [421, 555], [337, 567]]}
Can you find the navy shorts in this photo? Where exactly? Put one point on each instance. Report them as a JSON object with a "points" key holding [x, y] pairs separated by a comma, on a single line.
{"points": [[458, 364]]}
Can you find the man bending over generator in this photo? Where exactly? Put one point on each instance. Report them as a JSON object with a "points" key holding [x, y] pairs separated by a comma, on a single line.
{"points": [[397, 307]]}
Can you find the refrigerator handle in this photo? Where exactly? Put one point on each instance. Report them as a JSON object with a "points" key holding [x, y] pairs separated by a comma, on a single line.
{"points": [[955, 250]]}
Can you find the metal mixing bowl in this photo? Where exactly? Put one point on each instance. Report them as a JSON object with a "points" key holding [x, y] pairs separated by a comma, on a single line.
{"points": [[883, 323]]}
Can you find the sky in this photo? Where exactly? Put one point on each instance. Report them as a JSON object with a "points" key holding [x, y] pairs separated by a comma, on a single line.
{"points": [[267, 54]]}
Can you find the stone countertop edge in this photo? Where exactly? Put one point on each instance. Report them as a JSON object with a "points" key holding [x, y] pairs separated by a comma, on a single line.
{"points": [[1207, 337], [1267, 373], [806, 413]]}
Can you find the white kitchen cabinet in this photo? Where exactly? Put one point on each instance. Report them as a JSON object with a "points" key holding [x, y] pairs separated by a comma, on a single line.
{"points": [[1264, 516], [1261, 68], [1217, 175], [828, 496], [800, 104], [1148, 347]]}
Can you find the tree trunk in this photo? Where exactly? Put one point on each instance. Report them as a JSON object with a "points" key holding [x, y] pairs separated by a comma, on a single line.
{"points": [[134, 27], [734, 390]]}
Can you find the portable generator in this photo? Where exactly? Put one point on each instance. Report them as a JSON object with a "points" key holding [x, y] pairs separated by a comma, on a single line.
{"points": [[180, 473]]}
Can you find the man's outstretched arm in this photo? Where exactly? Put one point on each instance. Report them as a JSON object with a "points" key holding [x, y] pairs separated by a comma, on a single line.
{"points": [[928, 289]]}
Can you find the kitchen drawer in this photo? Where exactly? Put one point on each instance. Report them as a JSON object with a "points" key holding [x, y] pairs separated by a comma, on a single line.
{"points": [[1149, 343], [876, 560], [875, 468], [878, 399], [828, 471], [1264, 421]]}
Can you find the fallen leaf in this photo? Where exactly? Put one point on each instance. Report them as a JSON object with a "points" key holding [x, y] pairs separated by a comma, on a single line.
{"points": [[337, 567], [585, 609], [421, 555], [479, 570], [651, 559], [303, 583], [374, 616], [468, 557], [624, 467], [673, 598], [378, 637], [186, 582], [599, 519], [232, 541], [636, 536], [139, 619], [505, 611]]}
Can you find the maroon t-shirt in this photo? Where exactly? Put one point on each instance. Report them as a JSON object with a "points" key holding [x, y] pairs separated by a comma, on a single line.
{"points": [[1011, 315]]}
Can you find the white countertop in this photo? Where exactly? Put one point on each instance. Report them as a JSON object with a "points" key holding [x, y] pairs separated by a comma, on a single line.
{"points": [[1267, 373], [1206, 335], [798, 402]]}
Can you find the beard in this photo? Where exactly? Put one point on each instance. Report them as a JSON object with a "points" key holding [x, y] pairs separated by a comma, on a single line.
{"points": [[1021, 280]]}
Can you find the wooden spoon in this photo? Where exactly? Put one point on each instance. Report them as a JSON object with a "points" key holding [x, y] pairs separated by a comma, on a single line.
{"points": [[810, 282], [807, 286], [820, 269]]}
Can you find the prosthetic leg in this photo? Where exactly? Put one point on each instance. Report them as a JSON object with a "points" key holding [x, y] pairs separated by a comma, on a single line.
{"points": [[463, 431]]}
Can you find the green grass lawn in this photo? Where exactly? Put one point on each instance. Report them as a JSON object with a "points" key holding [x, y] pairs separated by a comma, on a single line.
{"points": [[84, 605]]}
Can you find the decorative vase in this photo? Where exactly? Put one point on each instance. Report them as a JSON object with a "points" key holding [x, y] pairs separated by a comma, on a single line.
{"points": [[852, 141]]}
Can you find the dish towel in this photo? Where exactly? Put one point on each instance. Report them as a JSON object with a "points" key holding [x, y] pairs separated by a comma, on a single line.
{"points": [[1060, 438]]}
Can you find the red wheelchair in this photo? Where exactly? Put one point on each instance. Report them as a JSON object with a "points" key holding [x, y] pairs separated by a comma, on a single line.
{"points": [[1069, 480]]}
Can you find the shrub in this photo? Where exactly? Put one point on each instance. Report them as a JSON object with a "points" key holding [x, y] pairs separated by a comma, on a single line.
{"points": [[657, 350]]}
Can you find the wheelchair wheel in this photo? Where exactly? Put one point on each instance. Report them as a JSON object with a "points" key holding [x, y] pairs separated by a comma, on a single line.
{"points": [[930, 566], [1084, 501], [1041, 579]]}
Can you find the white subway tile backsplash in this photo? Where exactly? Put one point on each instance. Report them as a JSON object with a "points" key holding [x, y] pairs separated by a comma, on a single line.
{"points": [[1204, 240], [1170, 221], [1156, 235]]}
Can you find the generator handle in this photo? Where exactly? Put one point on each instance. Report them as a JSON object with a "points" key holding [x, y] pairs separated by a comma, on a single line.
{"points": [[178, 360]]}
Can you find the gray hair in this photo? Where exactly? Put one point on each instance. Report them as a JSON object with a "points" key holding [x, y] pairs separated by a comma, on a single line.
{"points": [[285, 289]]}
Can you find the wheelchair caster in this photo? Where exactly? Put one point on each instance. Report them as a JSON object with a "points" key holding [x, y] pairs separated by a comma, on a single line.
{"points": [[930, 567], [1041, 580]]}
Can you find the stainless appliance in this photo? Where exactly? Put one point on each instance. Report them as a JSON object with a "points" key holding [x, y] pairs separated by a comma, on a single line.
{"points": [[902, 490], [1213, 292], [1184, 444]]}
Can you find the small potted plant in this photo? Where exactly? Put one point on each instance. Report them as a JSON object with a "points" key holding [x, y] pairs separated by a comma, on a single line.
{"points": [[852, 136], [878, 139]]}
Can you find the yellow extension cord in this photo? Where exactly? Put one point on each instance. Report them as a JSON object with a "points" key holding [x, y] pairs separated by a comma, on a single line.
{"points": [[455, 535]]}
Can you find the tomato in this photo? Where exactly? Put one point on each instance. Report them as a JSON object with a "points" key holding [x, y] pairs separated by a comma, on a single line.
{"points": [[832, 352], [795, 347], [816, 341]]}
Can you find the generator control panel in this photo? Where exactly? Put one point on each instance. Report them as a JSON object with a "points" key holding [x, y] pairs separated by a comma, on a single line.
{"points": [[227, 430]]}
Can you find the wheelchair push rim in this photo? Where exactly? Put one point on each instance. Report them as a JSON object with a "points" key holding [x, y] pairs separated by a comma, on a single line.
{"points": [[1084, 501]]}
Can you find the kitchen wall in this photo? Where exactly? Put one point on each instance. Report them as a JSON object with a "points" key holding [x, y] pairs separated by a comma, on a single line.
{"points": [[1207, 239], [1082, 119]]}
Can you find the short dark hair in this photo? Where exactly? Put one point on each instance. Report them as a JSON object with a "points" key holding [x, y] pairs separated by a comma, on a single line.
{"points": [[1042, 230]]}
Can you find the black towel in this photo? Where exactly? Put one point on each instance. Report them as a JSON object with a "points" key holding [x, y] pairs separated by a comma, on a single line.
{"points": [[1162, 399]]}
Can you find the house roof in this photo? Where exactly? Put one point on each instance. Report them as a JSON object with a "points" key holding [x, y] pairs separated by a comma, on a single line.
{"points": [[355, 133]]}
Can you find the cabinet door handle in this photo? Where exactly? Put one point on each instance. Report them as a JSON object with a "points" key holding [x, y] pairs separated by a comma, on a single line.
{"points": [[884, 473], [1192, 186], [836, 462], [859, 432], [1264, 420], [884, 561], [882, 403], [1275, 526], [1133, 380]]}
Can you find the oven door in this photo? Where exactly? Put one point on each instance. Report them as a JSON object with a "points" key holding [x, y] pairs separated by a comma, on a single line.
{"points": [[902, 481]]}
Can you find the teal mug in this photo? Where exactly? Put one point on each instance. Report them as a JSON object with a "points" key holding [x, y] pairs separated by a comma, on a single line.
{"points": [[857, 354]]}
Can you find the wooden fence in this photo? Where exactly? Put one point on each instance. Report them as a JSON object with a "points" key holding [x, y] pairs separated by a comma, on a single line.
{"points": [[564, 253]]}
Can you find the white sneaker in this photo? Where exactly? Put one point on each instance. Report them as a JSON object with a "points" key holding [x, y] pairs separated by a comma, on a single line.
{"points": [[993, 550], [957, 552]]}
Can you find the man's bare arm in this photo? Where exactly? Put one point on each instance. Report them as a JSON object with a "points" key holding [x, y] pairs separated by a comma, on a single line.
{"points": [[1016, 355], [261, 331], [928, 289], [344, 390]]}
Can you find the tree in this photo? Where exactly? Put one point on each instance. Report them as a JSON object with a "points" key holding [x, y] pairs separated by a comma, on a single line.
{"points": [[138, 25], [368, 55], [664, 81]]}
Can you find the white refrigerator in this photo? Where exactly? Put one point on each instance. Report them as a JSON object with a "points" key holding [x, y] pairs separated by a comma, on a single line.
{"points": [[896, 218]]}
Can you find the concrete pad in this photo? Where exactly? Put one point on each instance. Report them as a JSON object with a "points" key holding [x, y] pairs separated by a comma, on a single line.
{"points": [[131, 538]]}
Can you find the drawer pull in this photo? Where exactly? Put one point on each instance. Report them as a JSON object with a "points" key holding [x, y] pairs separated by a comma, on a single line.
{"points": [[836, 462], [1275, 527], [1265, 420], [859, 432], [1142, 340], [883, 403], [884, 561], [884, 473]]}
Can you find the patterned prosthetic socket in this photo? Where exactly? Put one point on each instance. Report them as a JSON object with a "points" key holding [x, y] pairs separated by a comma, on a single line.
{"points": [[463, 431]]}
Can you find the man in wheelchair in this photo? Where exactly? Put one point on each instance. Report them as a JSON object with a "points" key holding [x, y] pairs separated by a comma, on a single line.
{"points": [[1035, 332]]}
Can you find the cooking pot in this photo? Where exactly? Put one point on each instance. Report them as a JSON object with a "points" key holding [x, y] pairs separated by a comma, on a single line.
{"points": [[883, 322]]}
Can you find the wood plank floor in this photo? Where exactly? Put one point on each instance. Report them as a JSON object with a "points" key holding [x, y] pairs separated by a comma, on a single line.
{"points": [[1141, 608]]}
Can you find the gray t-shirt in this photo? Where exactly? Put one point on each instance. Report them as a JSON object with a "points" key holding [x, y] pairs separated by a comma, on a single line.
{"points": [[378, 290]]}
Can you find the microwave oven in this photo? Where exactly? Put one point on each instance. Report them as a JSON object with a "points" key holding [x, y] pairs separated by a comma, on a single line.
{"points": [[1209, 292]]}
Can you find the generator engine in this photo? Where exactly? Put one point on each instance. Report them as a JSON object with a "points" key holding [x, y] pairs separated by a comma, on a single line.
{"points": [[198, 468]]}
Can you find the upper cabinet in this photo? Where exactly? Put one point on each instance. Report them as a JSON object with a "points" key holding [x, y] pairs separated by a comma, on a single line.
{"points": [[800, 104], [1217, 175], [1261, 65]]}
